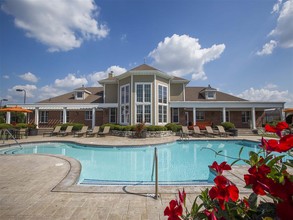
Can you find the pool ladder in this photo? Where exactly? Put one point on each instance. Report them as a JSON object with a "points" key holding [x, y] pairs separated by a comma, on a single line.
{"points": [[3, 131], [155, 170]]}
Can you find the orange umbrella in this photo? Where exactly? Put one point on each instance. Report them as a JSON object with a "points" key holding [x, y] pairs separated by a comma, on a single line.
{"points": [[15, 109]]}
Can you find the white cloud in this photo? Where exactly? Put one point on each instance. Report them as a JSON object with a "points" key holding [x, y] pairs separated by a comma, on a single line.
{"points": [[96, 76], [50, 91], [29, 77], [181, 55], [267, 94], [267, 48], [270, 86], [29, 90], [276, 7], [60, 24], [5, 77], [284, 29], [70, 81]]}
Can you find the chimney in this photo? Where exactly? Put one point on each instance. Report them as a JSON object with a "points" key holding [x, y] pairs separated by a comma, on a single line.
{"points": [[111, 74]]}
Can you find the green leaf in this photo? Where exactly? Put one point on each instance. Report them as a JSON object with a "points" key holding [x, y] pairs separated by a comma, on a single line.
{"points": [[235, 161]]}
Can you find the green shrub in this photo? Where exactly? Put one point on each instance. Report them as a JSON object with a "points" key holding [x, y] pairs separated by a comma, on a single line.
{"points": [[156, 128], [5, 126], [227, 125], [21, 125], [173, 127]]}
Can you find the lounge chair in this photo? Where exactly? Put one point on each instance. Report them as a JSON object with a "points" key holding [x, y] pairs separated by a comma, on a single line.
{"points": [[184, 133], [94, 132], [56, 131], [222, 131], [81, 132], [197, 132], [105, 131], [210, 131], [67, 131]]}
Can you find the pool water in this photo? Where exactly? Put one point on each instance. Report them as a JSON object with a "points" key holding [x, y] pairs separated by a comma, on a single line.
{"points": [[179, 162]]}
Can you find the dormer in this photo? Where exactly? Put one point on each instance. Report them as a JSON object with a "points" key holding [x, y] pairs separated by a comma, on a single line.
{"points": [[209, 93], [81, 93]]}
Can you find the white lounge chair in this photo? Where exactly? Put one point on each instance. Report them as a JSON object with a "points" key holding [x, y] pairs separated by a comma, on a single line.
{"points": [[94, 132], [81, 132]]}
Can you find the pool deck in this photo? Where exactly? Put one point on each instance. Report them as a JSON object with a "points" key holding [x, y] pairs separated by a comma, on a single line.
{"points": [[43, 186]]}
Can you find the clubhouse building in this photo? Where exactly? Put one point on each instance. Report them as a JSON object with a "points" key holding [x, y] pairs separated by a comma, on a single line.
{"points": [[146, 94]]}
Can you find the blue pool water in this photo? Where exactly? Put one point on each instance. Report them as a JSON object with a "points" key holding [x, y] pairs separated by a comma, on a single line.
{"points": [[180, 162]]}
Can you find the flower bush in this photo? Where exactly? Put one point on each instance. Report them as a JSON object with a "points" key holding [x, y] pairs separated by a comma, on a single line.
{"points": [[268, 177]]}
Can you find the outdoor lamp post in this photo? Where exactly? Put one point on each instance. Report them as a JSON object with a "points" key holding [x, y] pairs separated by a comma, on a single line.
{"points": [[24, 97], [2, 100]]}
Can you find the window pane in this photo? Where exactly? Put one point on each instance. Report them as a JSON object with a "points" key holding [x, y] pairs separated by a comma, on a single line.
{"points": [[139, 114], [164, 94], [147, 93], [127, 94], [122, 95], [160, 94], [139, 93]]}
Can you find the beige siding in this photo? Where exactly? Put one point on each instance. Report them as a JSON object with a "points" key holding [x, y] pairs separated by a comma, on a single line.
{"points": [[143, 78], [176, 92], [111, 93], [160, 79]]}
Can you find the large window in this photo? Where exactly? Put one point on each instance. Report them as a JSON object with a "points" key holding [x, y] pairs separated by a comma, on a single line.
{"points": [[143, 102], [175, 115], [44, 117], [245, 117], [124, 104], [88, 115], [163, 105], [112, 115]]}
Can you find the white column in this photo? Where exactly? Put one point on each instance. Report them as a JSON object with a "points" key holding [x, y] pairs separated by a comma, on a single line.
{"points": [[194, 116], [64, 115], [253, 117], [8, 117], [155, 109], [224, 114], [93, 117], [37, 117]]}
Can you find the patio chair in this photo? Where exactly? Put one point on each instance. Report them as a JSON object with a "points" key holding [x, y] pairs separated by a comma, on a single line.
{"points": [[105, 131], [210, 131], [54, 132], [82, 132], [67, 131], [197, 132], [184, 133], [94, 132], [222, 131]]}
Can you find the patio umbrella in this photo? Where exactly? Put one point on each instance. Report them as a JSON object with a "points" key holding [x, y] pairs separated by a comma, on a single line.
{"points": [[15, 109]]}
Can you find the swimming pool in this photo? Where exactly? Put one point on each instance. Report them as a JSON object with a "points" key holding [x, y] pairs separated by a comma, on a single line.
{"points": [[179, 162]]}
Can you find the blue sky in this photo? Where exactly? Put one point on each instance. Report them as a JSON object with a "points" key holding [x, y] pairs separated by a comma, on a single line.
{"points": [[241, 47]]}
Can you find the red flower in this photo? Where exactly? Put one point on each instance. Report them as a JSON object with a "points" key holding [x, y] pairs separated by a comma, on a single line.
{"points": [[220, 168], [284, 210], [258, 179], [182, 197], [223, 191], [285, 144], [278, 128], [174, 210], [210, 215]]}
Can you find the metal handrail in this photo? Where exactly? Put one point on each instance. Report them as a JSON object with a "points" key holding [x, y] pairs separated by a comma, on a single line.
{"points": [[155, 170], [7, 131]]}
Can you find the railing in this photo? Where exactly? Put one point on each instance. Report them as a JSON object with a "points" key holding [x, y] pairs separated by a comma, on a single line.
{"points": [[8, 132], [155, 171]]}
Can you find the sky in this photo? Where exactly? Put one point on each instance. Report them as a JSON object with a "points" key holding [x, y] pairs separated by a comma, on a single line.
{"points": [[240, 47]]}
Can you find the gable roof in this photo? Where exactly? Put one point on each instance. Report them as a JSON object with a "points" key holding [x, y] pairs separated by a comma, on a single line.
{"points": [[195, 94], [143, 67], [95, 96]]}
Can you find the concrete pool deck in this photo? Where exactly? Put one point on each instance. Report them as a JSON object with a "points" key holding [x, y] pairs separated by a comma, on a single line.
{"points": [[42, 186]]}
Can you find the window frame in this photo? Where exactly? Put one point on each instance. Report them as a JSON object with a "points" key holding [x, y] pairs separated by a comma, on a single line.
{"points": [[174, 115], [143, 102], [162, 103], [124, 100], [43, 119], [88, 115]]}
